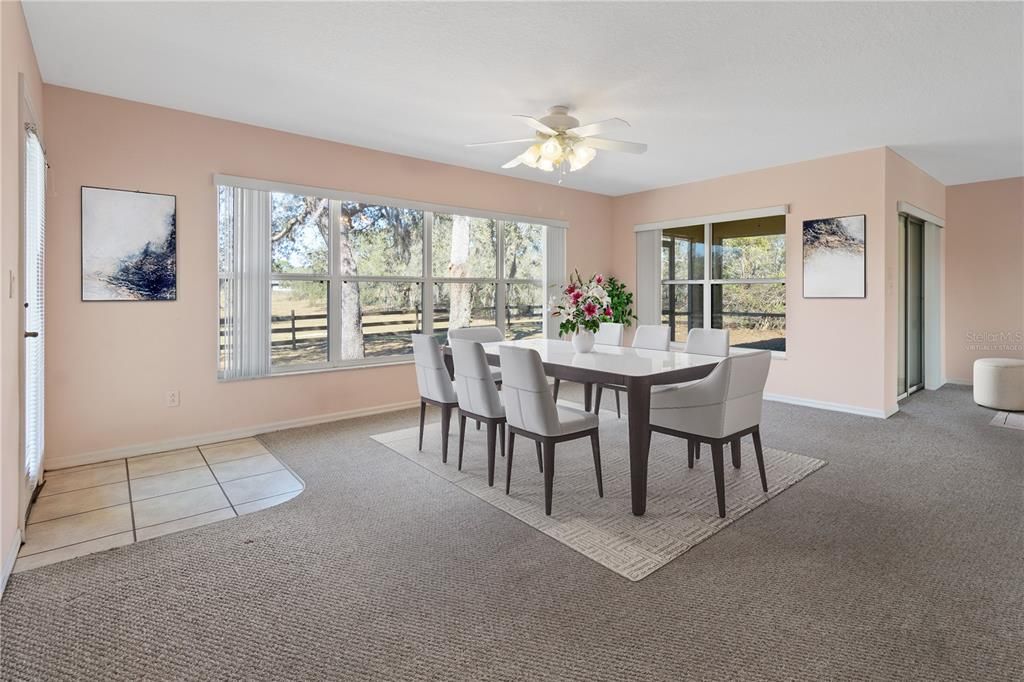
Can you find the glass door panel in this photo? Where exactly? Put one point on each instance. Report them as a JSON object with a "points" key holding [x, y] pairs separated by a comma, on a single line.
{"points": [[901, 346], [915, 304]]}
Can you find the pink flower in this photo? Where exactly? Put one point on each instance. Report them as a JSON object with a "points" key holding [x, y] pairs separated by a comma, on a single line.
{"points": [[599, 279], [571, 288], [590, 310], [575, 296], [608, 311]]}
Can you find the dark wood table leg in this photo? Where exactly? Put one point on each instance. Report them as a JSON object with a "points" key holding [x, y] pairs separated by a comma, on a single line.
{"points": [[638, 401], [588, 396]]}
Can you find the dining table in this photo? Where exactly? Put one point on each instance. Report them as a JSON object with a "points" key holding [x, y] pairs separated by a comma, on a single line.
{"points": [[636, 369]]}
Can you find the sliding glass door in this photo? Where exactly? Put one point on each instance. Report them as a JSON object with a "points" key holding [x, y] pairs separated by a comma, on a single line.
{"points": [[33, 315], [910, 373], [727, 275]]}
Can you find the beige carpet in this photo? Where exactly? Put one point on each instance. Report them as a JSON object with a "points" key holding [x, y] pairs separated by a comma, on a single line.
{"points": [[1010, 420], [681, 505]]}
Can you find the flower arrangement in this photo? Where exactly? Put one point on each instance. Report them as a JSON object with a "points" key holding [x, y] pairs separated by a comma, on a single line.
{"points": [[582, 306]]}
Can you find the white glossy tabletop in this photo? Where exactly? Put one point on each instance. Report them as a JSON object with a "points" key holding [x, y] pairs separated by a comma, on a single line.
{"points": [[614, 359]]}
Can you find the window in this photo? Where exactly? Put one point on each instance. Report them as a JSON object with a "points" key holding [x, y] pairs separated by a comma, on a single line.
{"points": [[346, 282], [739, 283], [380, 262]]}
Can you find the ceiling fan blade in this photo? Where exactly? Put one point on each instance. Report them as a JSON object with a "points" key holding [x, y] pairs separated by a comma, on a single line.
{"points": [[616, 145], [536, 125], [488, 144], [513, 163], [598, 127]]}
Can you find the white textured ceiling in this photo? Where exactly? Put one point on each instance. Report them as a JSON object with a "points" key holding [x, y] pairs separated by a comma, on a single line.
{"points": [[713, 88]]}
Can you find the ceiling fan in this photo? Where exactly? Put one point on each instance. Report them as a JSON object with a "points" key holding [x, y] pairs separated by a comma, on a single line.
{"points": [[560, 141]]}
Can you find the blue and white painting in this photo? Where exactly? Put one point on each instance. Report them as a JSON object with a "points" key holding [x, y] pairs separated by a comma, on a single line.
{"points": [[834, 265], [129, 246]]}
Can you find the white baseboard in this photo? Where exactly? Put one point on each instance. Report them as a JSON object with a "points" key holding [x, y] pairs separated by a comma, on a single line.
{"points": [[960, 382], [823, 405], [97, 456], [12, 556]]}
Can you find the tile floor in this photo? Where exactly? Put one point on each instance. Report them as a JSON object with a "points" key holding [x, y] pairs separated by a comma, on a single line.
{"points": [[98, 506]]}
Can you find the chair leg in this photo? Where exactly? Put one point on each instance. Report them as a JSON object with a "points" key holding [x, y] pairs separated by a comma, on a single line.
{"points": [[689, 452], [492, 432], [540, 458], [595, 445], [446, 422], [597, 399], [760, 458], [501, 437], [423, 416], [549, 474], [478, 425], [558, 384], [508, 465], [462, 436], [735, 445], [618, 405], [717, 451], [696, 449]]}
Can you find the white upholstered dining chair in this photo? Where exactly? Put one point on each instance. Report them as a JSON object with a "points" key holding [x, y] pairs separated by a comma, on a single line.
{"points": [[649, 336], [704, 342], [435, 385], [608, 334], [708, 342], [478, 398], [720, 408], [480, 335], [532, 413]]}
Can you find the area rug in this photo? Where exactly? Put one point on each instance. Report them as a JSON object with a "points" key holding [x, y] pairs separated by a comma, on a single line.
{"points": [[681, 505], [1010, 420]]}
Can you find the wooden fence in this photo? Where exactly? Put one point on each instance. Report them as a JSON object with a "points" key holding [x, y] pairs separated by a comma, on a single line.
{"points": [[295, 330]]}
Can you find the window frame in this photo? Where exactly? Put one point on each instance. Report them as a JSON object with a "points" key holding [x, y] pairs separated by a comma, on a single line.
{"points": [[707, 282], [426, 280]]}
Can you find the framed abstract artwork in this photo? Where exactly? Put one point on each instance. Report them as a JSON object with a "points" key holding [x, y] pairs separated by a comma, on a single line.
{"points": [[129, 245], [834, 263]]}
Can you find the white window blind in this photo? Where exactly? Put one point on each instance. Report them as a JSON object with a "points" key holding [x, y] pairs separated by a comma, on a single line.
{"points": [[244, 283], [555, 275], [648, 277], [35, 318]]}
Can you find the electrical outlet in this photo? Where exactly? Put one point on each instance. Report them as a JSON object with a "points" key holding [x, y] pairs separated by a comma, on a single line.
{"points": [[173, 399]]}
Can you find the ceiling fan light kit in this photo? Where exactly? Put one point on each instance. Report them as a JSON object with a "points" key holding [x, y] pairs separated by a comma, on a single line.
{"points": [[563, 144]]}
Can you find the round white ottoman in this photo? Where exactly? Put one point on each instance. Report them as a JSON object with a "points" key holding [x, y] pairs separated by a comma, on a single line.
{"points": [[999, 383]]}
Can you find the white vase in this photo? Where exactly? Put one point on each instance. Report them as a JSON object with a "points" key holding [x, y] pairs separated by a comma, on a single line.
{"points": [[583, 341]]}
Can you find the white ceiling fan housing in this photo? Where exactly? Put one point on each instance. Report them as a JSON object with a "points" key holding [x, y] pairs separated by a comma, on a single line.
{"points": [[562, 143]]}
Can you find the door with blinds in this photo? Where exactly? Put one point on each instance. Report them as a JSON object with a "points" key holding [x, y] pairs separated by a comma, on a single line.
{"points": [[34, 325]]}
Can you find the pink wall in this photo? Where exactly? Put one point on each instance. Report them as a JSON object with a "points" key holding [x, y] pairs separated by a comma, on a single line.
{"points": [[984, 274], [903, 182], [16, 57], [834, 349], [109, 365]]}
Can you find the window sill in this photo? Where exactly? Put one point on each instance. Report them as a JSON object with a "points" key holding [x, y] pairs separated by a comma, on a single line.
{"points": [[681, 347], [298, 371]]}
